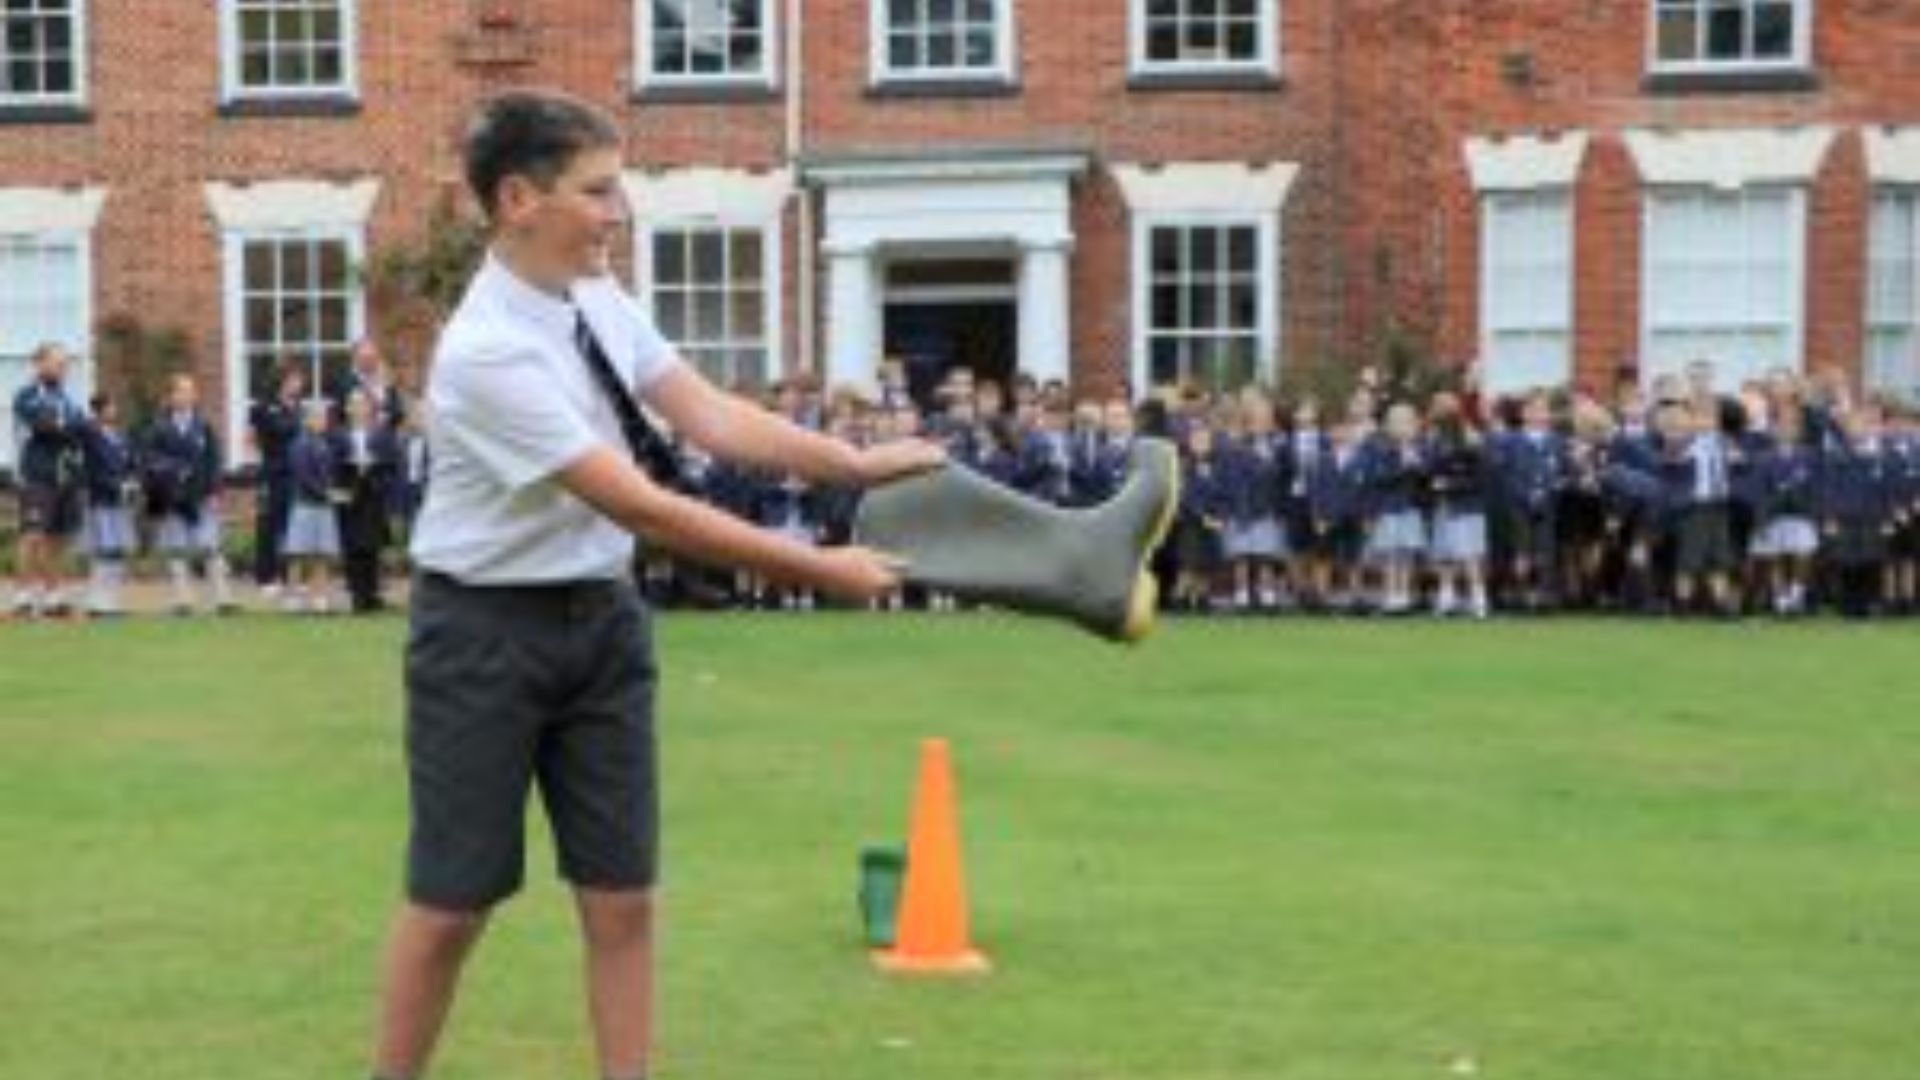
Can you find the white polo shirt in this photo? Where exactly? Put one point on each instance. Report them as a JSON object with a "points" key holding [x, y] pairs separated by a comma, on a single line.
{"points": [[511, 402]]}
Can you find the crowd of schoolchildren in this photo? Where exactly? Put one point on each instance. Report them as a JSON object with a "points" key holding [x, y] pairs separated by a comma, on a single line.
{"points": [[338, 476], [1789, 496], [1786, 497]]}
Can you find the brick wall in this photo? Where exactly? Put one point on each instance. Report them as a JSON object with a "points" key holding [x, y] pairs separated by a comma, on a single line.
{"points": [[1380, 233]]}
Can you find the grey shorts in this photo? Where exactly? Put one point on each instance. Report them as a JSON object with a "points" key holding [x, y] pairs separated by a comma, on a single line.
{"points": [[516, 686], [51, 510]]}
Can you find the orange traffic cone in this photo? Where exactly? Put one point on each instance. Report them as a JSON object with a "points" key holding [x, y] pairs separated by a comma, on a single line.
{"points": [[932, 934]]}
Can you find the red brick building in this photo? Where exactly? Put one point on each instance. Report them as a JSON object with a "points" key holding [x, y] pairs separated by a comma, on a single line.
{"points": [[1108, 190]]}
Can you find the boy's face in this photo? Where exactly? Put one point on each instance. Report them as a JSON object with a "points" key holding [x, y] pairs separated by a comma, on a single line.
{"points": [[183, 395], [572, 224]]}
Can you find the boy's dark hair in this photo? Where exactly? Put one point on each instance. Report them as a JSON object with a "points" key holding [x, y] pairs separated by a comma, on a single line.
{"points": [[530, 133]]}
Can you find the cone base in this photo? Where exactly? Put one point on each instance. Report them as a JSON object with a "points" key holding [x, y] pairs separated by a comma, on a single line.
{"points": [[894, 962]]}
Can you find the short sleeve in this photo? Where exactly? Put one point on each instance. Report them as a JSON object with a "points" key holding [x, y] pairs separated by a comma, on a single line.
{"points": [[505, 413], [652, 354]]}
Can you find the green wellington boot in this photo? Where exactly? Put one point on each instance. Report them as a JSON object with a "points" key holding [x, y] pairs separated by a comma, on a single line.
{"points": [[963, 534]]}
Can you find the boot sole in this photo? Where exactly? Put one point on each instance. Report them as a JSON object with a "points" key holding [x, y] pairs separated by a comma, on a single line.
{"points": [[1143, 606]]}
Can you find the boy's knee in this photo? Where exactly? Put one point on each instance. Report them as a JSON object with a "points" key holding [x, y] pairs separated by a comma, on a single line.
{"points": [[612, 918], [444, 929]]}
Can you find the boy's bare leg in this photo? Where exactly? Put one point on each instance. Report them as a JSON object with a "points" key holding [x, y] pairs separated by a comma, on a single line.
{"points": [[425, 952], [618, 929]]}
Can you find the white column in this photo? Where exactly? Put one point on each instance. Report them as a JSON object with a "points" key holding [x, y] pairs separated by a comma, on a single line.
{"points": [[853, 318], [1046, 340]]}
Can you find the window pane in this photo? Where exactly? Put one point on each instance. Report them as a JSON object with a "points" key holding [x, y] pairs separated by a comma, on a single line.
{"points": [[297, 264], [709, 315], [670, 266], [292, 27], [670, 310], [743, 54], [746, 257], [1202, 307], [1204, 253], [1166, 307], [903, 51], [256, 28], [1164, 360], [333, 319], [1726, 33], [670, 52], [749, 314], [709, 256], [1679, 35], [1773, 31], [293, 67], [327, 67], [942, 50], [261, 320], [1166, 252], [1243, 41], [1243, 307], [258, 268], [980, 48], [1163, 42]]}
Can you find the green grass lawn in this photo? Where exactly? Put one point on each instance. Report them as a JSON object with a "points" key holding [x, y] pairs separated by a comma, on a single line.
{"points": [[1274, 851]]}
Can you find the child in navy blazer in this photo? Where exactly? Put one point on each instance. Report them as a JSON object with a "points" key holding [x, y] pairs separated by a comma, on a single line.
{"points": [[1254, 542], [1856, 510], [181, 466], [111, 492], [312, 541], [1785, 536], [1337, 503], [1396, 478], [1205, 503], [1302, 450], [1457, 483], [1531, 465]]}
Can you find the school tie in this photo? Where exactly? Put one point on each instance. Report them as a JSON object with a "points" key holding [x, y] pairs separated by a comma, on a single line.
{"points": [[644, 440]]}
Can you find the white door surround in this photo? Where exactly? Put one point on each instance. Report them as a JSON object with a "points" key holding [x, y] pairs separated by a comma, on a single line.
{"points": [[1019, 202]]}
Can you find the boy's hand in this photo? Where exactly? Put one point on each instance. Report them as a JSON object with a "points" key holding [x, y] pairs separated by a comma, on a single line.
{"points": [[859, 574], [882, 462]]}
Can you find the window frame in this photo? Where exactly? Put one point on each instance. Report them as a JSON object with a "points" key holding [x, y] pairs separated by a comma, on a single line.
{"points": [[1796, 283], [233, 90], [80, 379], [1006, 48], [772, 254], [78, 96], [1800, 61], [1267, 360], [1874, 322], [646, 78], [234, 243], [1265, 63], [1490, 332]]}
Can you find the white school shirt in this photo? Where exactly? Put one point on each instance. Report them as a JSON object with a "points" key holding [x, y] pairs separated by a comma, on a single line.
{"points": [[1709, 469], [512, 403]]}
